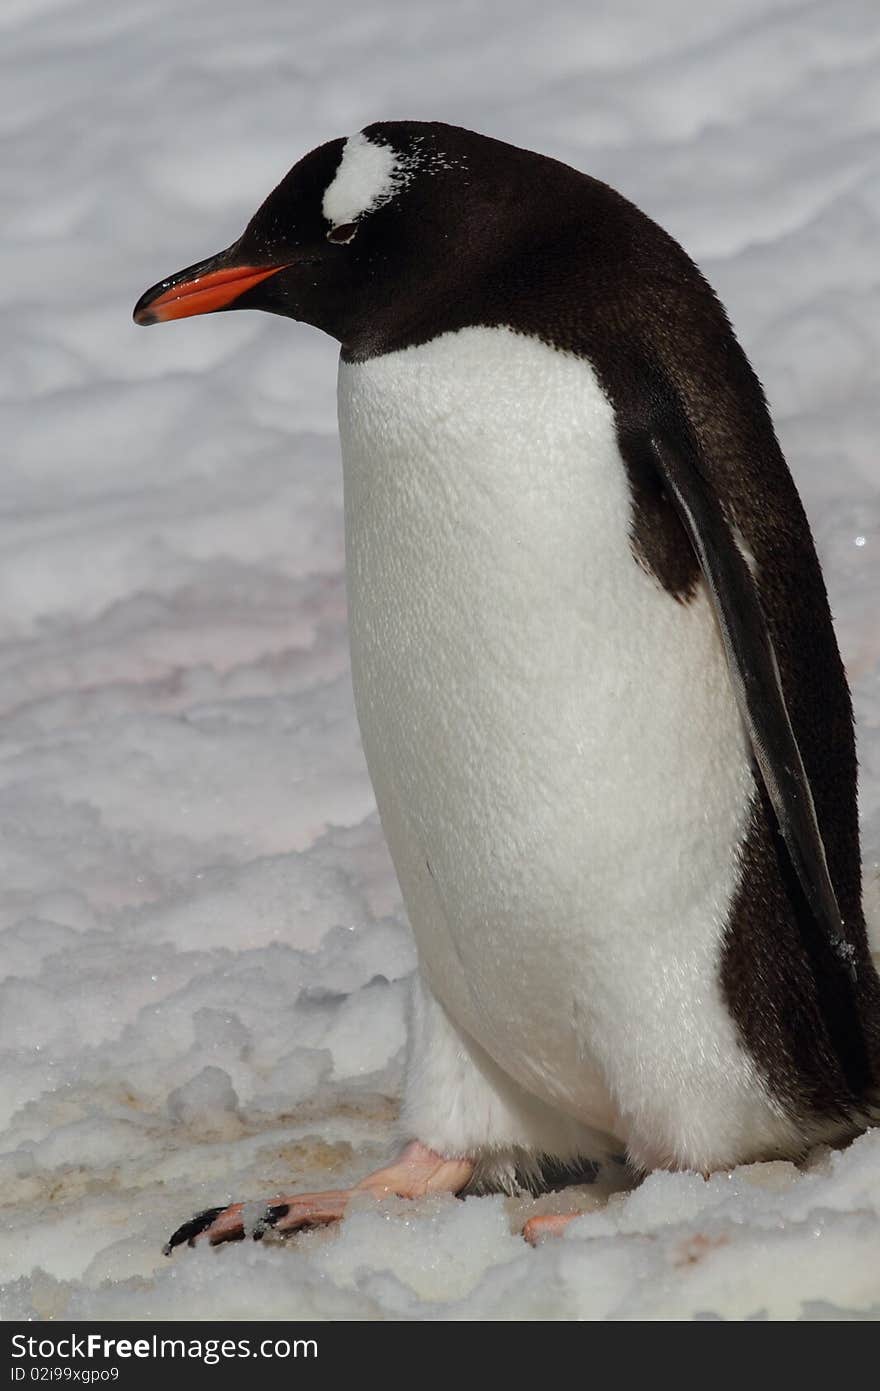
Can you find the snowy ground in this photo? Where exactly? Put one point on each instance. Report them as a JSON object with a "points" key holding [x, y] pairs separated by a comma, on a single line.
{"points": [[204, 958]]}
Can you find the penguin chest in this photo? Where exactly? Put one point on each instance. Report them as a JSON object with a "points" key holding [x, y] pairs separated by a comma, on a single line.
{"points": [[559, 765]]}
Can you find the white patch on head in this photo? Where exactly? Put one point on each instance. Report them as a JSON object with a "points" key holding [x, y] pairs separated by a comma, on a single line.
{"points": [[368, 176]]}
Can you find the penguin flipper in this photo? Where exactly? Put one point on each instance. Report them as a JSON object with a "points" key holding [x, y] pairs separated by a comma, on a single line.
{"points": [[754, 672]]}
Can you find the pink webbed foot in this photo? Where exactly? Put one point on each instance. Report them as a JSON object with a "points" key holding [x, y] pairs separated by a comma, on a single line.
{"points": [[537, 1229], [417, 1172]]}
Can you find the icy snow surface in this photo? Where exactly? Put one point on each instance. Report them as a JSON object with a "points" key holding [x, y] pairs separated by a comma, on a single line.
{"points": [[204, 955]]}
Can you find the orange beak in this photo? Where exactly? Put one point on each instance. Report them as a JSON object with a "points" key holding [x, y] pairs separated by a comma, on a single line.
{"points": [[189, 292]]}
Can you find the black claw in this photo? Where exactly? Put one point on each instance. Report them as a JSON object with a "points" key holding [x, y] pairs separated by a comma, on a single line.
{"points": [[193, 1228], [269, 1219]]}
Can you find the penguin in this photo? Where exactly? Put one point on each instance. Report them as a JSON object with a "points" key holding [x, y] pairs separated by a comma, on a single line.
{"points": [[599, 692]]}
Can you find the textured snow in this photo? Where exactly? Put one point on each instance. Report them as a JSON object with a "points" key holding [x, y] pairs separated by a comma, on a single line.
{"points": [[204, 956]]}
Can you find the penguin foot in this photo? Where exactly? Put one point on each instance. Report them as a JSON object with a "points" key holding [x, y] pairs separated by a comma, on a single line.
{"points": [[417, 1172], [537, 1229]]}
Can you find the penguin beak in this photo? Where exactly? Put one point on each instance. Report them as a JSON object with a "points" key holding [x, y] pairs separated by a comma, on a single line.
{"points": [[200, 289]]}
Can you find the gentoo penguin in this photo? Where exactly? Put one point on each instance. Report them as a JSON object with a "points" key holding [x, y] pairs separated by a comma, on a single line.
{"points": [[599, 691]]}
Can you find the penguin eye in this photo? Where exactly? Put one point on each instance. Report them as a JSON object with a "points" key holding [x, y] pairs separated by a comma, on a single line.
{"points": [[344, 233]]}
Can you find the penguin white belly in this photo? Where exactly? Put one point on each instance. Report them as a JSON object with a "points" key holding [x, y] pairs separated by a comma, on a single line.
{"points": [[560, 768]]}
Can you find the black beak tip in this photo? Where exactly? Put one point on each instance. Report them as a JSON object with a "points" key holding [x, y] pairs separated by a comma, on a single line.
{"points": [[142, 313]]}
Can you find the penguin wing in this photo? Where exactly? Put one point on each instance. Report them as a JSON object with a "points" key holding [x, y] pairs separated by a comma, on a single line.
{"points": [[755, 675]]}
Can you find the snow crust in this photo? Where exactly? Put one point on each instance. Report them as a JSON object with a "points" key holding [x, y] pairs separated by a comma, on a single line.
{"points": [[203, 955]]}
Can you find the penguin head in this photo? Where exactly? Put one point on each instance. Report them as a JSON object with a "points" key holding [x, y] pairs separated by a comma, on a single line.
{"points": [[364, 237]]}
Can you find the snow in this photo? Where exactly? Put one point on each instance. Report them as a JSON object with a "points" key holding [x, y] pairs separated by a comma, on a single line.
{"points": [[204, 954]]}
